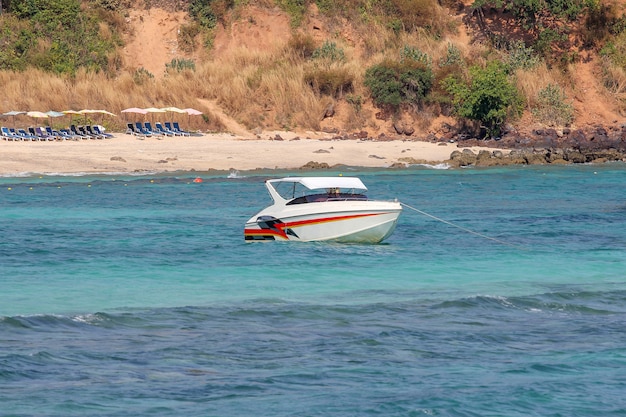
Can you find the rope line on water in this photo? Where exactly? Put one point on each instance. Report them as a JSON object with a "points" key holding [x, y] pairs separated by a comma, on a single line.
{"points": [[460, 227]]}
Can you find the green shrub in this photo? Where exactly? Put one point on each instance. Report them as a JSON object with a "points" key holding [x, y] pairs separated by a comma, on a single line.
{"points": [[355, 101], [295, 9], [552, 108], [56, 36], [453, 57], [180, 64], [414, 54], [330, 52], [142, 75], [519, 56], [393, 83], [209, 12], [488, 98]]}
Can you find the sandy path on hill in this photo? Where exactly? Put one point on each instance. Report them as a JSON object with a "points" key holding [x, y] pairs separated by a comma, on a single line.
{"points": [[127, 154]]}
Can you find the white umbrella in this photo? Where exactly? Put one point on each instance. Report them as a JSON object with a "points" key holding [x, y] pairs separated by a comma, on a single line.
{"points": [[71, 113], [154, 110], [173, 109], [37, 114], [108, 113]]}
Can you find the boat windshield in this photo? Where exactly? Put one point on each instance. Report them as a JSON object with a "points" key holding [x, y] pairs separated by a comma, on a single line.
{"points": [[298, 194]]}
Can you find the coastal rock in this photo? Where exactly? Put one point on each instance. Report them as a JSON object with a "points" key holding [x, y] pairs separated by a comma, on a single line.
{"points": [[118, 158], [403, 128], [315, 165]]}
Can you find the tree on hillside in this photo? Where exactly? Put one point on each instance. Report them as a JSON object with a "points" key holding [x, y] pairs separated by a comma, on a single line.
{"points": [[546, 25], [57, 36], [488, 98]]}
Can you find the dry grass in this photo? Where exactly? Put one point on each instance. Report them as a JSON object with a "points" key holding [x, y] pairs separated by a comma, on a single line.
{"points": [[530, 82], [266, 89]]}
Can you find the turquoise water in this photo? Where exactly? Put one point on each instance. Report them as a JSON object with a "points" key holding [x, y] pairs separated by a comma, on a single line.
{"points": [[138, 296]]}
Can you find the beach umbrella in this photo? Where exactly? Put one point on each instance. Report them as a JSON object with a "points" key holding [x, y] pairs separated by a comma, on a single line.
{"points": [[85, 112], [71, 113], [135, 110], [13, 113], [191, 112], [173, 109], [53, 113], [153, 110], [108, 113], [37, 114]]}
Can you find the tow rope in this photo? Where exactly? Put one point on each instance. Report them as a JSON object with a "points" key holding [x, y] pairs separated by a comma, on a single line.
{"points": [[465, 229]]}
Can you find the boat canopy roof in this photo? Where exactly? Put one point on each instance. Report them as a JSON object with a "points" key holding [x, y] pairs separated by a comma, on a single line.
{"points": [[315, 183]]}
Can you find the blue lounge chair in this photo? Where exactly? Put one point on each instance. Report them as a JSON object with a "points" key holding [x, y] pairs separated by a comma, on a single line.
{"points": [[41, 134], [141, 128], [75, 131], [25, 135], [178, 129], [69, 135], [96, 129], [132, 130], [90, 131], [8, 135], [159, 127], [81, 129], [171, 127], [53, 133]]}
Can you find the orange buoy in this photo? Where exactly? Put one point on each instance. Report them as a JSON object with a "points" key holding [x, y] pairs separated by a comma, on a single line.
{"points": [[197, 179]]}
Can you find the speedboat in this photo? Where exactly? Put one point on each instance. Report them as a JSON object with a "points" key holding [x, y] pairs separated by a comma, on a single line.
{"points": [[308, 209]]}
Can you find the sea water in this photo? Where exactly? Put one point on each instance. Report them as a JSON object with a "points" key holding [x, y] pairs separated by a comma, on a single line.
{"points": [[502, 292]]}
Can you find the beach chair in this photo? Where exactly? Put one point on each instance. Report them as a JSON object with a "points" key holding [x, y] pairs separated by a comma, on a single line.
{"points": [[132, 130], [74, 130], [141, 129], [41, 134], [159, 127], [83, 131], [31, 131], [60, 134], [90, 131], [171, 127], [97, 130], [68, 134], [178, 129], [149, 127], [53, 133], [8, 135], [25, 135]]}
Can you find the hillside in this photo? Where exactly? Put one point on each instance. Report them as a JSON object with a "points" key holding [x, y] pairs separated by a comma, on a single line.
{"points": [[152, 43], [257, 72]]}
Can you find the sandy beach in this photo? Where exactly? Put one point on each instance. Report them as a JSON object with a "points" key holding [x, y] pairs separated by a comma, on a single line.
{"points": [[126, 153]]}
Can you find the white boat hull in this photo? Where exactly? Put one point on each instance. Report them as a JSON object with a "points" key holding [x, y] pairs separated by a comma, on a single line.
{"points": [[340, 221]]}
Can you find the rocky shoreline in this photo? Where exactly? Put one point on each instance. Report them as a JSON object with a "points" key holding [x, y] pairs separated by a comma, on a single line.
{"points": [[546, 146]]}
